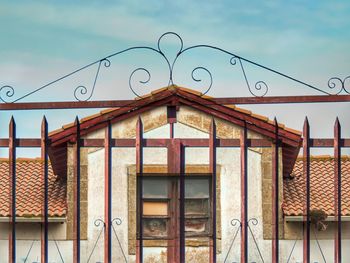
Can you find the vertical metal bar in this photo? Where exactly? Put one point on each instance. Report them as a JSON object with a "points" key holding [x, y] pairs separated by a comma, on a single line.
{"points": [[108, 194], [180, 152], [306, 170], [275, 198], [212, 167], [139, 172], [337, 192], [45, 181], [12, 176], [244, 194], [76, 187]]}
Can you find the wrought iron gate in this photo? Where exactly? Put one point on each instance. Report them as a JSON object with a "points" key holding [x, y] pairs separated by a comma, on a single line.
{"points": [[175, 147]]}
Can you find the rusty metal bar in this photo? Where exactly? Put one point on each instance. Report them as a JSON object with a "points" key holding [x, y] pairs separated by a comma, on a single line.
{"points": [[12, 188], [45, 181], [212, 101], [275, 198], [180, 152], [76, 191], [108, 195], [193, 142], [139, 172], [187, 142], [283, 99], [212, 168], [244, 195], [337, 193], [306, 170]]}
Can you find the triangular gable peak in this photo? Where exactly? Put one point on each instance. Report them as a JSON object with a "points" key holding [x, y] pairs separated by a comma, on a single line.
{"points": [[193, 109]]}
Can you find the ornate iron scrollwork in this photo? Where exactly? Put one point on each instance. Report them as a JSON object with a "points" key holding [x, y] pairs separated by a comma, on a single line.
{"points": [[339, 84], [259, 89]]}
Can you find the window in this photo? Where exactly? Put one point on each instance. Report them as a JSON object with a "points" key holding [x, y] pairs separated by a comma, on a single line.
{"points": [[161, 201]]}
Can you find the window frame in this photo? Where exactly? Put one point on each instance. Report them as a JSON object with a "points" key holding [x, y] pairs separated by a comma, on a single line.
{"points": [[174, 202]]}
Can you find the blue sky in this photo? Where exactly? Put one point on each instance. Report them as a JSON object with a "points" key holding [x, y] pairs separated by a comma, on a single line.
{"points": [[42, 40]]}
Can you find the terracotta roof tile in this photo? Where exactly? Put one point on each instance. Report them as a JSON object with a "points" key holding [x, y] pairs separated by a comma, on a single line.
{"points": [[322, 187], [28, 190], [159, 90]]}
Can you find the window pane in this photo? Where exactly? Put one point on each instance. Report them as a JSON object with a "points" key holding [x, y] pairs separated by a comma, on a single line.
{"points": [[155, 208], [196, 207], [155, 227], [155, 188], [197, 188], [196, 226]]}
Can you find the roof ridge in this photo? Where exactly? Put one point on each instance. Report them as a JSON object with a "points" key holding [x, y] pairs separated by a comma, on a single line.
{"points": [[174, 89]]}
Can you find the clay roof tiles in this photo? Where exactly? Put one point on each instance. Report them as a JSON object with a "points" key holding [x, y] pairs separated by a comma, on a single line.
{"points": [[322, 187], [29, 190]]}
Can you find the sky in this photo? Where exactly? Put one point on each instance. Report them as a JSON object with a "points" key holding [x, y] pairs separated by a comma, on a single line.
{"points": [[44, 40]]}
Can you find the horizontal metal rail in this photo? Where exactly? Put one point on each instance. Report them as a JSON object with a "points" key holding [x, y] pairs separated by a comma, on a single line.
{"points": [[314, 142], [212, 101]]}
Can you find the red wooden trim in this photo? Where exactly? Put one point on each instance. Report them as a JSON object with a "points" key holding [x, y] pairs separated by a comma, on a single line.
{"points": [[139, 171], [244, 195], [258, 126], [12, 187], [76, 193], [337, 193], [127, 103], [176, 166], [249, 119], [98, 122], [45, 183], [172, 250], [212, 168], [306, 165], [182, 97], [275, 198], [108, 194]]}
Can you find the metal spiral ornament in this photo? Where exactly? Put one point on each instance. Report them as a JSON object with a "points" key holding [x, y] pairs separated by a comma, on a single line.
{"points": [[235, 221], [148, 78], [254, 221], [261, 87], [346, 85], [340, 85], [98, 222], [6, 91], [335, 83], [117, 221], [199, 80], [81, 90]]}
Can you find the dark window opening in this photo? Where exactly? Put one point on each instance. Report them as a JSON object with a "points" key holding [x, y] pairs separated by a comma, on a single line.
{"points": [[161, 203]]}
